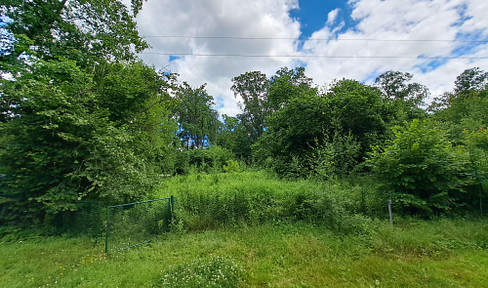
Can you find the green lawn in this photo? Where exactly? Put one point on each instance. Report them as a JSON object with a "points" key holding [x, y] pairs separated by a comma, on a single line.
{"points": [[443, 253]]}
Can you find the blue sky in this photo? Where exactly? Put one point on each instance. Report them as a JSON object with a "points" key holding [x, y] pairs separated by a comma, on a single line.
{"points": [[312, 14]]}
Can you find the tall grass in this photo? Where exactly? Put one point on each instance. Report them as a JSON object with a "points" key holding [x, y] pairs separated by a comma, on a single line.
{"points": [[209, 201]]}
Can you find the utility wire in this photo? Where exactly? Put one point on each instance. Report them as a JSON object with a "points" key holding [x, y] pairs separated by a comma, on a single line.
{"points": [[315, 39], [237, 55]]}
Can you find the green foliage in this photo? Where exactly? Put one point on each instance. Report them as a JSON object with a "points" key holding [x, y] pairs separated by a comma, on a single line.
{"points": [[423, 172], [471, 79], [464, 115], [76, 122], [262, 97], [287, 84], [404, 100], [358, 109], [220, 200], [335, 157], [63, 143], [50, 116], [196, 119], [464, 111], [350, 113], [85, 31], [395, 86], [210, 159], [213, 272], [252, 87], [285, 136], [122, 92], [233, 136], [477, 146], [232, 166]]}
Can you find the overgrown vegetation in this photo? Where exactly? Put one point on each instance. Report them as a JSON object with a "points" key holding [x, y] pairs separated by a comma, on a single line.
{"points": [[83, 119], [210, 201], [295, 187]]}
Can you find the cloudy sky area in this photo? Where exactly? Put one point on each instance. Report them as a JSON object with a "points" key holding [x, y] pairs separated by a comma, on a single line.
{"points": [[356, 39]]}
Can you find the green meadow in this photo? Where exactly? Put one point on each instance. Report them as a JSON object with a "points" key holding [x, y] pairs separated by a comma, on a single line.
{"points": [[260, 240]]}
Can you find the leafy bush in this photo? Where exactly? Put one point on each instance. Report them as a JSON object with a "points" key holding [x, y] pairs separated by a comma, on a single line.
{"points": [[477, 146], [232, 166], [339, 156], [72, 135], [213, 272], [203, 160], [423, 172], [347, 120]]}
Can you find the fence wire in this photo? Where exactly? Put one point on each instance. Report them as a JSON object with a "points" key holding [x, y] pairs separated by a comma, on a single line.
{"points": [[133, 224]]}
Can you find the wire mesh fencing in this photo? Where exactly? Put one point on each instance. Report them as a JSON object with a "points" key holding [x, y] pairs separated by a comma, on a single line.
{"points": [[134, 224], [83, 218]]}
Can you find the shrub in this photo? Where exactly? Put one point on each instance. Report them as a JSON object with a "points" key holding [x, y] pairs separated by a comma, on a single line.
{"points": [[424, 173], [335, 157], [232, 166], [477, 145], [203, 160]]}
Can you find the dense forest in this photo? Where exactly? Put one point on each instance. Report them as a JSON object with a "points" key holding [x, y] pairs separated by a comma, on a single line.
{"points": [[83, 119]]}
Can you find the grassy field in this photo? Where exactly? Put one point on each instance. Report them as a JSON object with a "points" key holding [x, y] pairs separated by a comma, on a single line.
{"points": [[445, 253], [253, 230]]}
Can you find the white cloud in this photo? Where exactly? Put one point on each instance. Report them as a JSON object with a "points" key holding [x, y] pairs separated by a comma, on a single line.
{"points": [[375, 20], [478, 22], [332, 16], [400, 20], [235, 18]]}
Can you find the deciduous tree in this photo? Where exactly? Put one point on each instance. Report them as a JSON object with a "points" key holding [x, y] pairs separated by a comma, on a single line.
{"points": [[196, 118]]}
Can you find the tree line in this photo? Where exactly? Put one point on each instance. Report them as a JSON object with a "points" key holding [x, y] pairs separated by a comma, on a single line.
{"points": [[83, 119]]}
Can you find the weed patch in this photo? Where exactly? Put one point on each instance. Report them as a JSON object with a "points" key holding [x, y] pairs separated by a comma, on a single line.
{"points": [[213, 272]]}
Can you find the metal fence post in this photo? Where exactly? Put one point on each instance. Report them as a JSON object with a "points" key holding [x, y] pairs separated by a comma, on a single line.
{"points": [[98, 232], [172, 203], [389, 212], [107, 230]]}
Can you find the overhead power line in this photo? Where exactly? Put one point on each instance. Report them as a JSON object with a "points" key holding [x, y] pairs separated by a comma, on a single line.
{"points": [[316, 39], [316, 56]]}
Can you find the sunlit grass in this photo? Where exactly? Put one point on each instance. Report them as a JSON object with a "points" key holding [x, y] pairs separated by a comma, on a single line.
{"points": [[445, 253]]}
